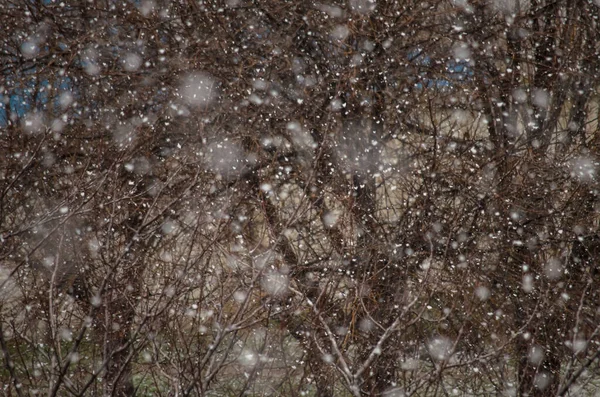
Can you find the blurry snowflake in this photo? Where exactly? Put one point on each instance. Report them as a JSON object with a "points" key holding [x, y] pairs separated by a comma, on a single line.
{"points": [[146, 7], [30, 49], [410, 364], [542, 380], [330, 218], [8, 289], [255, 99], [225, 158], [482, 292], [365, 325], [340, 32], [328, 358], [527, 284], [124, 135], [263, 259], [540, 98], [73, 357], [462, 52], [169, 227], [440, 348], [239, 296], [65, 99], [584, 169], [248, 359], [553, 269], [275, 283], [89, 61], [132, 62], [394, 392], [536, 355], [259, 84], [34, 122], [96, 301], [300, 136], [198, 89], [578, 346], [506, 6], [362, 7], [336, 104], [139, 165], [332, 11], [519, 95]]}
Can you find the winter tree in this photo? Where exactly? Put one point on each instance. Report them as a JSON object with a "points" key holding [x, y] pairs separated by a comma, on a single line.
{"points": [[334, 198]]}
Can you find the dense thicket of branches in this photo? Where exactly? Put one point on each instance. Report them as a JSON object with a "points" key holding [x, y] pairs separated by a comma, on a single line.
{"points": [[363, 198]]}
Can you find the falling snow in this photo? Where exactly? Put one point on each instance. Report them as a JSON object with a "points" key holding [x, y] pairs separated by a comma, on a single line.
{"points": [[303, 198]]}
